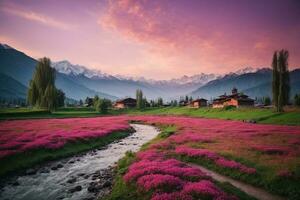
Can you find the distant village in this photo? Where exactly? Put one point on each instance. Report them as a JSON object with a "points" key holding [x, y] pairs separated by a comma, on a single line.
{"points": [[235, 99]]}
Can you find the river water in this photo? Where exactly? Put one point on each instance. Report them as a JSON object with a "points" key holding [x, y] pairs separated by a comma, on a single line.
{"points": [[71, 178]]}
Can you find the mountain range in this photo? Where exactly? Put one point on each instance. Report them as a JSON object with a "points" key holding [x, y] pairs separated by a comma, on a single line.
{"points": [[78, 82]]}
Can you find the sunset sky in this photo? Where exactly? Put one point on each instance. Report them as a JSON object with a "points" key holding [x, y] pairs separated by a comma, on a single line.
{"points": [[158, 39]]}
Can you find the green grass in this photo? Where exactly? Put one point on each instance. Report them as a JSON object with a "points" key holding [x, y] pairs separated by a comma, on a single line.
{"points": [[25, 160], [26, 113], [260, 115]]}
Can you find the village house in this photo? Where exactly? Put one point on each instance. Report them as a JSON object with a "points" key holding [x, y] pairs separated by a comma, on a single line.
{"points": [[125, 103], [235, 99], [197, 103]]}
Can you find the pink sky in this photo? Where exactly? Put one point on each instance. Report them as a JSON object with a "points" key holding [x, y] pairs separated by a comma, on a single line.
{"points": [[158, 39]]}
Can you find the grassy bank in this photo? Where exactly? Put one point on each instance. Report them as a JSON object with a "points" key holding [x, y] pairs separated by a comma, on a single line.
{"points": [[25, 160], [260, 115], [26, 113]]}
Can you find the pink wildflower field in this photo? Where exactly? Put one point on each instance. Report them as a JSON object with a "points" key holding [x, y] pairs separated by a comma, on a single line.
{"points": [[22, 135], [157, 171], [274, 147]]}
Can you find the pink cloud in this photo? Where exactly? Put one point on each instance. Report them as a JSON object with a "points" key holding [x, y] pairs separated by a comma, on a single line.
{"points": [[18, 11], [201, 42]]}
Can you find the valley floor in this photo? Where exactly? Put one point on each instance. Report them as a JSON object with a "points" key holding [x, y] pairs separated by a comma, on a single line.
{"points": [[259, 115]]}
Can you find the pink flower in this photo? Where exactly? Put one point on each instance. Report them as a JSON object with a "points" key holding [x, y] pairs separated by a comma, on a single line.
{"points": [[235, 165], [23, 135], [268, 149], [171, 196], [188, 151], [159, 182]]}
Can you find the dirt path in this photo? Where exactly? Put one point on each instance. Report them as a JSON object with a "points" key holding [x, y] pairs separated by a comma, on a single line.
{"points": [[249, 189]]}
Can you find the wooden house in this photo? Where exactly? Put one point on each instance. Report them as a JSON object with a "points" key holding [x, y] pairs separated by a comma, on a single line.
{"points": [[197, 103], [125, 103], [235, 99]]}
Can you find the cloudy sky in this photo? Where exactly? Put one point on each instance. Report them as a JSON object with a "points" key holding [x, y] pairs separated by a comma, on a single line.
{"points": [[158, 39]]}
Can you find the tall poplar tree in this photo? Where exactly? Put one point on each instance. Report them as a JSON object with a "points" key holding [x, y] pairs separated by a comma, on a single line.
{"points": [[281, 80], [139, 99], [275, 80]]}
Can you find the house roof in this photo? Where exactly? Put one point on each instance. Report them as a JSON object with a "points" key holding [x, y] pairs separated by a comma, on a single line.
{"points": [[198, 100], [126, 100]]}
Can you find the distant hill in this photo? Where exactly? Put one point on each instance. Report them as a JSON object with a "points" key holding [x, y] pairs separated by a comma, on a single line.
{"points": [[11, 88], [254, 84], [18, 66], [126, 86]]}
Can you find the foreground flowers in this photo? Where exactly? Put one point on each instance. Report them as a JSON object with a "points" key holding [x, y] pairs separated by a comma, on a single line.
{"points": [[171, 179], [266, 155], [218, 160], [23, 135]]}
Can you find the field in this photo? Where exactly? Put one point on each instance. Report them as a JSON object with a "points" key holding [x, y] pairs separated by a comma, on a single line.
{"points": [[247, 152], [265, 116], [25, 143], [244, 151]]}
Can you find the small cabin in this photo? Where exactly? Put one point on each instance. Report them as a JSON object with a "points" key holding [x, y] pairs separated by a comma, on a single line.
{"points": [[197, 103], [235, 99], [183, 103], [125, 103]]}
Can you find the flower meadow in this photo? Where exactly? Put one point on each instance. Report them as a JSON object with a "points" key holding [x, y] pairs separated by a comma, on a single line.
{"points": [[169, 179], [23, 135], [270, 157], [270, 152]]}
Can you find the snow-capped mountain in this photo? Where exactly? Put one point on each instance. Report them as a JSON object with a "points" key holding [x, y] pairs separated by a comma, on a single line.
{"points": [[184, 80], [5, 46], [245, 70], [68, 68]]}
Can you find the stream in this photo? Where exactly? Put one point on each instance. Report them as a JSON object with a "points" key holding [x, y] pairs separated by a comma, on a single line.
{"points": [[86, 176]]}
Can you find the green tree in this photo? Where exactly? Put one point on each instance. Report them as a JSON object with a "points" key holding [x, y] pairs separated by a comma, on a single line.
{"points": [[96, 98], [175, 103], [102, 105], [139, 99], [275, 80], [297, 100], [284, 80], [42, 92], [267, 101], [280, 79], [160, 102], [60, 98], [49, 99]]}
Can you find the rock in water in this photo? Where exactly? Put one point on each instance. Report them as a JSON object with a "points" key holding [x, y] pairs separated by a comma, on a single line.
{"points": [[76, 189]]}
